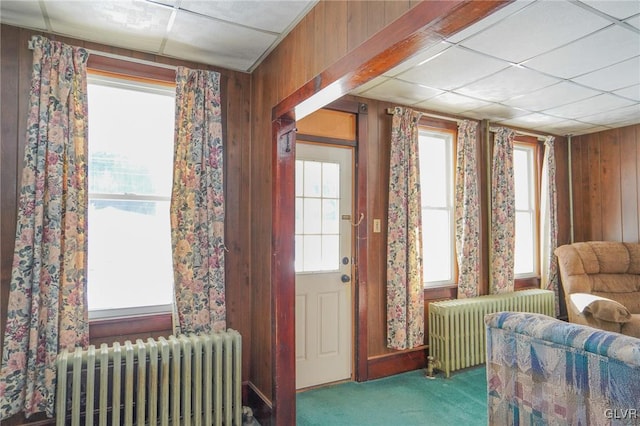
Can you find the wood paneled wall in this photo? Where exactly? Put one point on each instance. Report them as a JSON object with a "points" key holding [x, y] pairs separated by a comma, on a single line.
{"points": [[606, 185], [330, 31], [378, 148], [15, 63]]}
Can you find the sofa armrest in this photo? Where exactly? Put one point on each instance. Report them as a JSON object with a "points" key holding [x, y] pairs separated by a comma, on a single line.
{"points": [[552, 331], [600, 307]]}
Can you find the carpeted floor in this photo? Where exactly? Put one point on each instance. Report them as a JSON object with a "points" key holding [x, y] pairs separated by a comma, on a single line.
{"points": [[405, 399]]}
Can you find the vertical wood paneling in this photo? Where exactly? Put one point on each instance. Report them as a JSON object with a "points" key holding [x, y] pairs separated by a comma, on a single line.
{"points": [[356, 23], [394, 9], [610, 179], [606, 185], [562, 190], [629, 184], [336, 31], [9, 68], [595, 194], [375, 17], [581, 190], [318, 44]]}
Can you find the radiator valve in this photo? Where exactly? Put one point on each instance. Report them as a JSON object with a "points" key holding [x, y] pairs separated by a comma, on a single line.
{"points": [[432, 364]]}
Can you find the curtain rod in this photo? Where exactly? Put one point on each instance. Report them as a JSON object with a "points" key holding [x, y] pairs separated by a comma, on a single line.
{"points": [[120, 57], [522, 133], [442, 117]]}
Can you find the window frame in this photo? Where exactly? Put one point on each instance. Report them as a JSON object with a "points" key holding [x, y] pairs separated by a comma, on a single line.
{"points": [[130, 323], [431, 124]]}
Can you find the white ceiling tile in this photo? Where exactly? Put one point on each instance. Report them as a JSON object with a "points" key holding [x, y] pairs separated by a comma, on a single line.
{"points": [[622, 74], [210, 41], [361, 90], [635, 21], [496, 112], [590, 106], [619, 9], [418, 59], [452, 103], [22, 13], [599, 50], [529, 120], [551, 96], [453, 68], [632, 92], [490, 20], [630, 113], [274, 16], [507, 84], [126, 23], [515, 39], [571, 127], [401, 92]]}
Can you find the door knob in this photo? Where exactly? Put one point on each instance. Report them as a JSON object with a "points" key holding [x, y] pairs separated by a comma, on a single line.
{"points": [[345, 278]]}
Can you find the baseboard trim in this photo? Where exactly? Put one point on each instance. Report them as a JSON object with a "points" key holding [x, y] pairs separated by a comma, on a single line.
{"points": [[260, 404], [396, 363]]}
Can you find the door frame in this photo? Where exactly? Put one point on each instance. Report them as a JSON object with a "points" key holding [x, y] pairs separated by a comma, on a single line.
{"points": [[423, 26], [359, 353], [331, 143]]}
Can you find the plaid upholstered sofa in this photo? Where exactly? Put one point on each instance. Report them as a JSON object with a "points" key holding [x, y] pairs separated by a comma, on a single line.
{"points": [[543, 371], [601, 283]]}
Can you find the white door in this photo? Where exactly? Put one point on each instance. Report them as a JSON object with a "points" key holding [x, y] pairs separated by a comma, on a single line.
{"points": [[323, 264]]}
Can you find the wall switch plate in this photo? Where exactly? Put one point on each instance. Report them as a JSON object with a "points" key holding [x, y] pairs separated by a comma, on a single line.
{"points": [[376, 225]]}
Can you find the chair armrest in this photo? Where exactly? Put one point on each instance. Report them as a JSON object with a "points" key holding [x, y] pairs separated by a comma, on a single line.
{"points": [[600, 307]]}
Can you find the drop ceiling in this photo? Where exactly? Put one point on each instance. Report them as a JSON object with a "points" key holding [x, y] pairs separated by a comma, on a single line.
{"points": [[233, 34], [550, 66]]}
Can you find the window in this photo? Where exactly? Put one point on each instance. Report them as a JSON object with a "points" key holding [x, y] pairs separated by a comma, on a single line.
{"points": [[436, 182], [130, 176], [317, 227], [525, 178]]}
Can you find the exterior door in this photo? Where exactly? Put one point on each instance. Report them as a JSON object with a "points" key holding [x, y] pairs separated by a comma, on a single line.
{"points": [[323, 264]]}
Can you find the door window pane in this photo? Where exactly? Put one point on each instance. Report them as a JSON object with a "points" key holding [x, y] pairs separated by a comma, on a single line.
{"points": [[317, 216], [312, 179]]}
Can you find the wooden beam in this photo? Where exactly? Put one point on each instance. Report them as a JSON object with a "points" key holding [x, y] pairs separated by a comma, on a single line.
{"points": [[425, 25]]}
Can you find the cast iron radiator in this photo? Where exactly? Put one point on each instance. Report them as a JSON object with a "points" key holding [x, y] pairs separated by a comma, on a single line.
{"points": [[194, 379], [457, 336]]}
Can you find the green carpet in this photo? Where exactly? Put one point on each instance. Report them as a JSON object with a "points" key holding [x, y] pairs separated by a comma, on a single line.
{"points": [[405, 399]]}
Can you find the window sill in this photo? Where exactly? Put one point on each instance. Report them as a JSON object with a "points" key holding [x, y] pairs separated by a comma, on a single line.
{"points": [[132, 325], [525, 283]]}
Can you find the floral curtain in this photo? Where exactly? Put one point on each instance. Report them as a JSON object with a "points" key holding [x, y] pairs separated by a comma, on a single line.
{"points": [[503, 216], [467, 211], [548, 222], [405, 297], [197, 204], [47, 308]]}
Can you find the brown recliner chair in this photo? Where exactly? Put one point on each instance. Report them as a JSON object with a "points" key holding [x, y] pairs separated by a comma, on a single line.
{"points": [[601, 283]]}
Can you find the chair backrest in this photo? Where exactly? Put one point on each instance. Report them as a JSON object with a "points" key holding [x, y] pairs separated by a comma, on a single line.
{"points": [[599, 267]]}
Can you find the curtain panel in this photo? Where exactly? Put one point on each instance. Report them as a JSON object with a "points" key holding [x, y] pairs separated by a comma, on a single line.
{"points": [[549, 222], [503, 218], [405, 289], [198, 204], [467, 211], [47, 307]]}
